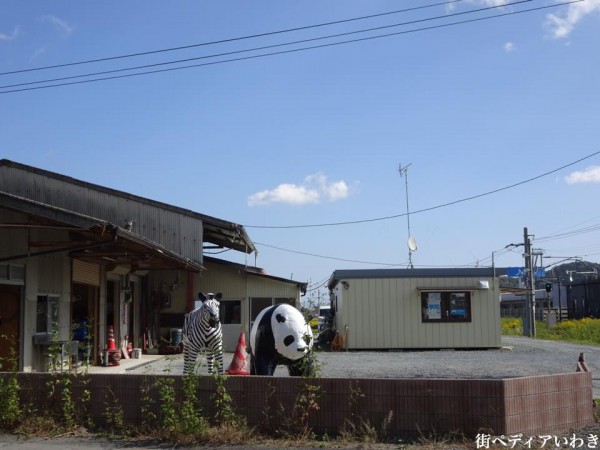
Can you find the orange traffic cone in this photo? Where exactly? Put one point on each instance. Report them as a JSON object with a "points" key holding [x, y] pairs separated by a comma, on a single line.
{"points": [[111, 338], [239, 365]]}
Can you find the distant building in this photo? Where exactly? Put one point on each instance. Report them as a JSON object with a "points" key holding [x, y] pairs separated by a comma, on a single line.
{"points": [[584, 299]]}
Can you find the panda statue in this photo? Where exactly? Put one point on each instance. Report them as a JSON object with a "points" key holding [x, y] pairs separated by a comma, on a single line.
{"points": [[280, 335]]}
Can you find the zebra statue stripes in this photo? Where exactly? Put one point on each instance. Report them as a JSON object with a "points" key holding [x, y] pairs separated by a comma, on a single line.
{"points": [[202, 332]]}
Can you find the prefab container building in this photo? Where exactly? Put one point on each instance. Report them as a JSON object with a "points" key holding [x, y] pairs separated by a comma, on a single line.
{"points": [[416, 308]]}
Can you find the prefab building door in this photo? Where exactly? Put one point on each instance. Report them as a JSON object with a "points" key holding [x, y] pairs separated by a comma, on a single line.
{"points": [[231, 321]]}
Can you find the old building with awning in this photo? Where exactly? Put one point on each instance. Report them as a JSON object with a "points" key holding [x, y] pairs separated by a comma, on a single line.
{"points": [[73, 253]]}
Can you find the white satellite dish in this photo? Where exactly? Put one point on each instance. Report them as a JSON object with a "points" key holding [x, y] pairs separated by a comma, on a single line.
{"points": [[412, 244]]}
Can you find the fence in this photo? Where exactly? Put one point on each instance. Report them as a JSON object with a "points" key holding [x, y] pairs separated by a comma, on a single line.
{"points": [[528, 405], [540, 313]]}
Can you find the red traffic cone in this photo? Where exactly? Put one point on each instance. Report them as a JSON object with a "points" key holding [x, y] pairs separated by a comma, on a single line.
{"points": [[111, 338], [239, 365]]}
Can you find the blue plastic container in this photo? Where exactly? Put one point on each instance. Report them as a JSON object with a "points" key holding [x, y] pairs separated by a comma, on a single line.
{"points": [[176, 336]]}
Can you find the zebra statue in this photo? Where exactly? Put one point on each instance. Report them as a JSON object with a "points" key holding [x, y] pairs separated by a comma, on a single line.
{"points": [[202, 331]]}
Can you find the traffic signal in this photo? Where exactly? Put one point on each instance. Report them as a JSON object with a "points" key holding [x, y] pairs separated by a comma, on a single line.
{"points": [[548, 287]]}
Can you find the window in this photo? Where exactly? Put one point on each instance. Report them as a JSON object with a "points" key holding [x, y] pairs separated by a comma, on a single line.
{"points": [[257, 305], [47, 314], [446, 306], [231, 312], [12, 272], [288, 301]]}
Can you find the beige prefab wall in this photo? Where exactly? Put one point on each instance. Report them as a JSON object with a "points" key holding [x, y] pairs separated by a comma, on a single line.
{"points": [[385, 313], [236, 284]]}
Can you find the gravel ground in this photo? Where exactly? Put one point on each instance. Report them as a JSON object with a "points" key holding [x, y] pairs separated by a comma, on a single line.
{"points": [[519, 356]]}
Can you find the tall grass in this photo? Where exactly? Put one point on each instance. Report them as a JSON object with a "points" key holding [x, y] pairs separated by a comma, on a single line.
{"points": [[511, 326], [583, 331]]}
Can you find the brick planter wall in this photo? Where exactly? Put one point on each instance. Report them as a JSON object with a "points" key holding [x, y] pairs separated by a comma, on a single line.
{"points": [[528, 405]]}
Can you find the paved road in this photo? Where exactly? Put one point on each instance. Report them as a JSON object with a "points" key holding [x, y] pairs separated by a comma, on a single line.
{"points": [[519, 356], [94, 443]]}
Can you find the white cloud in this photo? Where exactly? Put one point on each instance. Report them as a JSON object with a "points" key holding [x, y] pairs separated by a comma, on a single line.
{"points": [[451, 7], [10, 37], [561, 26], [58, 23], [316, 188], [290, 194], [558, 26], [491, 2], [510, 47], [589, 175]]}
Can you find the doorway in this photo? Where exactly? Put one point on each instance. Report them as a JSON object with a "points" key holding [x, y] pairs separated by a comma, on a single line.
{"points": [[10, 307], [84, 311], [111, 309]]}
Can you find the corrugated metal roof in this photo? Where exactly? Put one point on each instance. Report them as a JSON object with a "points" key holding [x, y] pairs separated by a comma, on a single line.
{"points": [[177, 230], [440, 272]]}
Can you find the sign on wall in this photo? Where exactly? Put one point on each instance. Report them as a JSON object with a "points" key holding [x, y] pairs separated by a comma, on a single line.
{"points": [[434, 305]]}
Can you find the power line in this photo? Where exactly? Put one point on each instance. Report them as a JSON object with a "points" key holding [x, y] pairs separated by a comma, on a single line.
{"points": [[496, 253], [241, 51], [228, 40], [329, 257], [317, 286], [352, 260], [266, 47], [557, 236], [264, 55], [577, 224], [577, 232], [320, 282], [443, 205]]}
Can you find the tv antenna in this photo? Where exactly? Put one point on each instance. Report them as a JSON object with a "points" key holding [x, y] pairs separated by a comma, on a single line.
{"points": [[412, 243]]}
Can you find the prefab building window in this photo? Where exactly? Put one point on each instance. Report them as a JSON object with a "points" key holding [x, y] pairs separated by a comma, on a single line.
{"points": [[446, 306], [231, 312]]}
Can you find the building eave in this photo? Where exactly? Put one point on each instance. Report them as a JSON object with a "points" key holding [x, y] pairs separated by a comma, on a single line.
{"points": [[97, 240], [438, 272]]}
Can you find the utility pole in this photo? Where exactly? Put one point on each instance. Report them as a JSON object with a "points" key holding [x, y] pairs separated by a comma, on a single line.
{"points": [[548, 293], [529, 316], [559, 304], [411, 246]]}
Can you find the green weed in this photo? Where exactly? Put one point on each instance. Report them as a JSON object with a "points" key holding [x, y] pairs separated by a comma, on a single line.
{"points": [[10, 406]]}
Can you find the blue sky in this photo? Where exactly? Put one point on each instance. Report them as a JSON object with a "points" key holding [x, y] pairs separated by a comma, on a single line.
{"points": [[317, 136]]}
